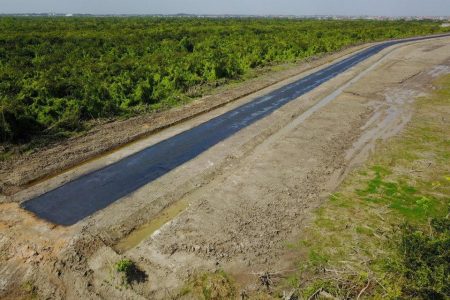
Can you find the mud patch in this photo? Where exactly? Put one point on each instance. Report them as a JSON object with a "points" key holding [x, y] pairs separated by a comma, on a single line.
{"points": [[151, 228], [389, 117]]}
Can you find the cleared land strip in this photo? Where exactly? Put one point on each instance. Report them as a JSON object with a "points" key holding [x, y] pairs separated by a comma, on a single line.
{"points": [[84, 196]]}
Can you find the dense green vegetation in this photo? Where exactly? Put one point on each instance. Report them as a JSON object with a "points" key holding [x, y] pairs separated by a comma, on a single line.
{"points": [[56, 73], [425, 260]]}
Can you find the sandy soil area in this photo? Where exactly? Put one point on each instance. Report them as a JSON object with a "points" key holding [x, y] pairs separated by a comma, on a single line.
{"points": [[235, 206]]}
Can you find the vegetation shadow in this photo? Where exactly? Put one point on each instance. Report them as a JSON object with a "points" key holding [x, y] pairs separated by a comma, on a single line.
{"points": [[135, 275]]}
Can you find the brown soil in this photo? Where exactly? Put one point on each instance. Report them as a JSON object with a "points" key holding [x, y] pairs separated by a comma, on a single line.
{"points": [[248, 196]]}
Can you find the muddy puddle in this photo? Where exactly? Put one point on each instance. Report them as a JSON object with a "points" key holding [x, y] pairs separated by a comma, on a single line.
{"points": [[148, 229]]}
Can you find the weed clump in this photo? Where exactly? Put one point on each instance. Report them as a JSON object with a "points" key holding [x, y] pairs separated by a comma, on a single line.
{"points": [[425, 259], [30, 290], [129, 271], [124, 266], [217, 285]]}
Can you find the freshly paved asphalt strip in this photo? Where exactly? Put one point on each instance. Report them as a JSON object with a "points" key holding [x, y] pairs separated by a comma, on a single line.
{"points": [[92, 192]]}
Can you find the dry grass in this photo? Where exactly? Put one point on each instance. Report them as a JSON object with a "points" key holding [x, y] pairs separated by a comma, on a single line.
{"points": [[351, 249], [208, 286], [353, 243]]}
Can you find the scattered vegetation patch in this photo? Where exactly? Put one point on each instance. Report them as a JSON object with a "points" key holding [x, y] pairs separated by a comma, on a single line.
{"points": [[425, 260], [206, 286], [30, 290], [400, 196], [386, 233], [130, 272]]}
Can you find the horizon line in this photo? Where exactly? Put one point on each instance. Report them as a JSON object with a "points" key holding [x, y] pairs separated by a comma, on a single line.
{"points": [[219, 15]]}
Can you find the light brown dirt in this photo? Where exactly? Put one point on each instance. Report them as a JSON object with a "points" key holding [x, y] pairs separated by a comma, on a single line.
{"points": [[248, 196]]}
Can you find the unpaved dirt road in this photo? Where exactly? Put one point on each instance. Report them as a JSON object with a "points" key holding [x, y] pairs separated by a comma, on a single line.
{"points": [[237, 203]]}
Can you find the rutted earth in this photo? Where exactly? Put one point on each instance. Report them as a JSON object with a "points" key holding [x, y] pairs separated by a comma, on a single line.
{"points": [[246, 196]]}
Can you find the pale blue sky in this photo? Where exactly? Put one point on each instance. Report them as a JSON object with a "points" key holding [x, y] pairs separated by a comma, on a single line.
{"points": [[261, 7]]}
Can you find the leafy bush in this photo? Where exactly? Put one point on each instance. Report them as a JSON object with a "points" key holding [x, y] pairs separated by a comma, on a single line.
{"points": [[130, 272], [426, 260], [16, 125], [125, 266]]}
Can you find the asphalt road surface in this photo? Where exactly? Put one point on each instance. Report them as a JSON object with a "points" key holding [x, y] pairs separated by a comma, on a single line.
{"points": [[74, 201]]}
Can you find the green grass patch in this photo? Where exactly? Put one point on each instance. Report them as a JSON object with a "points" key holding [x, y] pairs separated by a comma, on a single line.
{"points": [[425, 260], [407, 200]]}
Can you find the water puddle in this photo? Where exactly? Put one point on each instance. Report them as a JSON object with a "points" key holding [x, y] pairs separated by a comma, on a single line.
{"points": [[146, 230]]}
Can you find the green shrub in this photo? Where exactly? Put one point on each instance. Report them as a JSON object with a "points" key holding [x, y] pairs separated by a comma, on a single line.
{"points": [[130, 272], [426, 260], [124, 266], [16, 125]]}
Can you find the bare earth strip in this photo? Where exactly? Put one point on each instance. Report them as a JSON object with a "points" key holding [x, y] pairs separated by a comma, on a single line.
{"points": [[246, 197]]}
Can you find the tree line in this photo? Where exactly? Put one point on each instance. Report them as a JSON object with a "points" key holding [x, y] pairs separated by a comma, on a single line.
{"points": [[58, 73]]}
